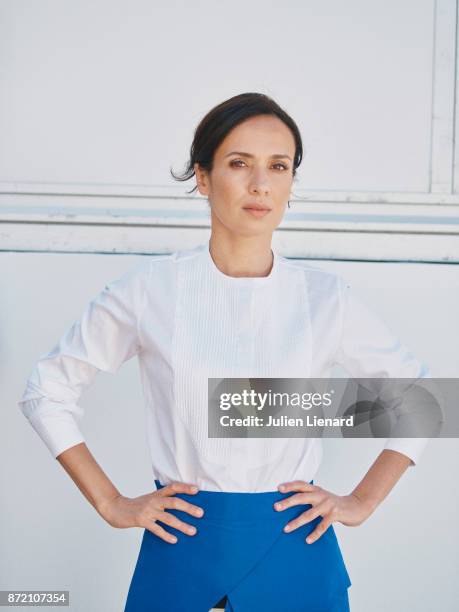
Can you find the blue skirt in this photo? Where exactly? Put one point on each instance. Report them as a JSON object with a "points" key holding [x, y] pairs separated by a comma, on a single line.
{"points": [[239, 550]]}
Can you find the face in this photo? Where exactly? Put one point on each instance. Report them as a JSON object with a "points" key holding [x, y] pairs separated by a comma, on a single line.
{"points": [[252, 166]]}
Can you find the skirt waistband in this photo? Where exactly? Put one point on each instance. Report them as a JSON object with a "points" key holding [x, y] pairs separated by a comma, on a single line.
{"points": [[235, 506]]}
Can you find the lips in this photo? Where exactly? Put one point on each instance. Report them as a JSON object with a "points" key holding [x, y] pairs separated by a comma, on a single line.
{"points": [[255, 206], [257, 210]]}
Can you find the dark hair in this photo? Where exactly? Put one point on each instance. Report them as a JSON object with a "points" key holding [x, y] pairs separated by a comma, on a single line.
{"points": [[221, 119]]}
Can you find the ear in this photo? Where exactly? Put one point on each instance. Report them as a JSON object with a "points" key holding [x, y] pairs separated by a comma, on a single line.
{"points": [[202, 180]]}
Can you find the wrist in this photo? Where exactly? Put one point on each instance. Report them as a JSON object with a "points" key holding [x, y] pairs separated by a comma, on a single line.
{"points": [[104, 504], [369, 505]]}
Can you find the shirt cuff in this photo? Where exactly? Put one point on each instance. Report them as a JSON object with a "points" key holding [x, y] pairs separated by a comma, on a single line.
{"points": [[412, 448], [54, 423]]}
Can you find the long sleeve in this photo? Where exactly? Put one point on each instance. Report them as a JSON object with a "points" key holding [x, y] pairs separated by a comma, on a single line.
{"points": [[102, 339], [368, 348]]}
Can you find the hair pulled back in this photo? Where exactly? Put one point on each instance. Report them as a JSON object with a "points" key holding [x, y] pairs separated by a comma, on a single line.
{"points": [[220, 120]]}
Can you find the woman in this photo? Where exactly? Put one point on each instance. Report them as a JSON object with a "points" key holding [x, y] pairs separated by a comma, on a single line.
{"points": [[232, 518]]}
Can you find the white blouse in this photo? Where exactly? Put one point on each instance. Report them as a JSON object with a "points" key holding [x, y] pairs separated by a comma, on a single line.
{"points": [[187, 321]]}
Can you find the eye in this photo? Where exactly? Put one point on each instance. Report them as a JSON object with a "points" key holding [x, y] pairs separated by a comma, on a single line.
{"points": [[235, 163]]}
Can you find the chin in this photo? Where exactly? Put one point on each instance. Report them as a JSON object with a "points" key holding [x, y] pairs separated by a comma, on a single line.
{"points": [[248, 227], [254, 230]]}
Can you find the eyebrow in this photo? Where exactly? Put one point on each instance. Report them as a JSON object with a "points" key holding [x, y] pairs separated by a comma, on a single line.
{"points": [[275, 156]]}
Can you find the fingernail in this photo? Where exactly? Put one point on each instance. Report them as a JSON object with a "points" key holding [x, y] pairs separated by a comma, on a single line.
{"points": [[309, 540], [278, 506], [282, 487], [192, 530], [287, 528], [173, 539], [194, 489], [199, 512]]}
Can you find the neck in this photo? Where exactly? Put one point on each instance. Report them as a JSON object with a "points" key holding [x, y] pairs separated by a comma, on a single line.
{"points": [[241, 255]]}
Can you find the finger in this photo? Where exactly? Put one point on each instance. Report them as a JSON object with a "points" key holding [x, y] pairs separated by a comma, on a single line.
{"points": [[173, 521], [297, 485], [319, 530], [160, 532], [177, 503], [177, 487], [306, 517], [298, 499]]}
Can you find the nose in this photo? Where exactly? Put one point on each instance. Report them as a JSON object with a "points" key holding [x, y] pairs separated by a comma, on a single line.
{"points": [[259, 182]]}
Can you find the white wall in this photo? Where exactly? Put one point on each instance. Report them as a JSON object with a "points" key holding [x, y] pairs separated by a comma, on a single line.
{"points": [[110, 92], [100, 99]]}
